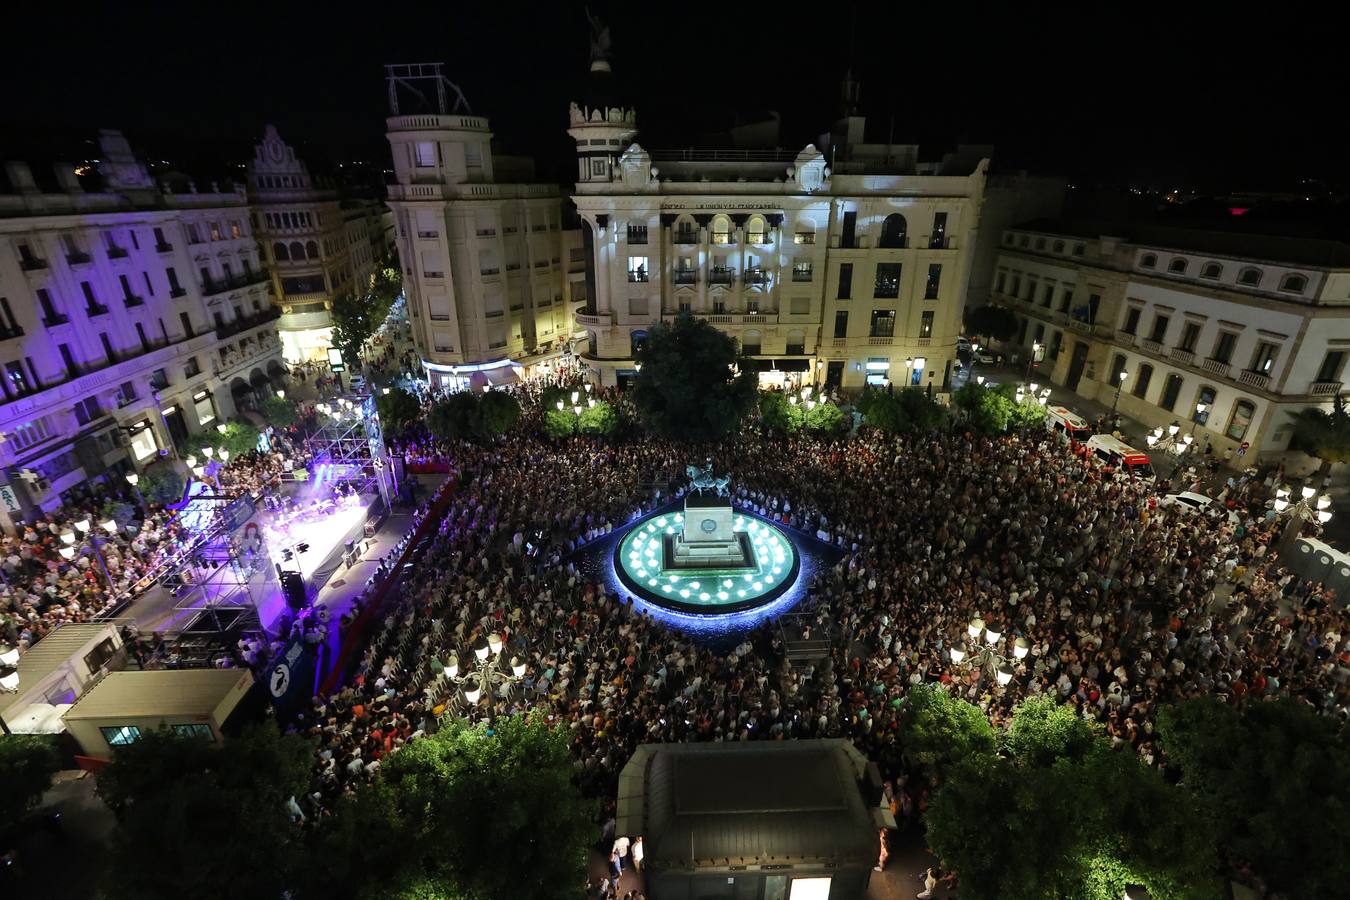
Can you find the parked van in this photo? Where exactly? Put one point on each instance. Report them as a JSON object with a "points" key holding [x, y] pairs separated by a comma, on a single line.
{"points": [[1122, 459], [1063, 420]]}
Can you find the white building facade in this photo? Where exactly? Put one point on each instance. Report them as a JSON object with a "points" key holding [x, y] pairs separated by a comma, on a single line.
{"points": [[132, 317], [1226, 334], [318, 244], [840, 275], [483, 270]]}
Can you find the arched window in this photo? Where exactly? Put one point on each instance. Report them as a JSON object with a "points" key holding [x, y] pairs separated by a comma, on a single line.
{"points": [[1250, 277], [1204, 404], [806, 231], [312, 250], [592, 346], [1241, 419], [637, 341], [279, 251], [750, 343], [1211, 270], [1040, 243], [1149, 261], [796, 342], [1059, 246], [297, 250], [686, 231], [721, 230], [1294, 283], [1177, 266], [755, 230], [894, 231]]}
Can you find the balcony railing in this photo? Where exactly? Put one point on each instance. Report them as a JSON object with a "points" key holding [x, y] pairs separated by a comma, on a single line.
{"points": [[686, 276], [1154, 347], [762, 240], [638, 277], [431, 234], [132, 301], [481, 232], [164, 247], [1125, 338], [77, 258], [32, 264], [229, 329], [880, 340], [1216, 366], [801, 274], [1254, 379], [720, 276], [96, 309], [592, 318], [686, 237], [1324, 388], [7, 332], [924, 341], [1178, 354], [489, 271], [220, 285], [53, 321], [756, 276], [117, 253], [721, 237]]}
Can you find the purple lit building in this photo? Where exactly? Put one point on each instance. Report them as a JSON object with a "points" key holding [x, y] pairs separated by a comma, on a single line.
{"points": [[130, 317]]}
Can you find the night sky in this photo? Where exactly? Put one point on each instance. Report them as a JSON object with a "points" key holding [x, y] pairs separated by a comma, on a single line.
{"points": [[1135, 94]]}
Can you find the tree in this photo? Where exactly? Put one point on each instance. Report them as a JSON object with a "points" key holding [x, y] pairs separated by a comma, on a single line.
{"points": [[824, 417], [474, 812], [1044, 730], [1275, 776], [601, 419], [205, 821], [1325, 435], [27, 764], [455, 418], [498, 413], [398, 411], [994, 410], [277, 412], [778, 414], [944, 732], [995, 322], [560, 423], [238, 438], [160, 483], [685, 388], [909, 410]]}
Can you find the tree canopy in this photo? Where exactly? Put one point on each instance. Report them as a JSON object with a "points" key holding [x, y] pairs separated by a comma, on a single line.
{"points": [[498, 413], [205, 821], [455, 418], [278, 412], [357, 315], [685, 388], [778, 415], [909, 410], [27, 764], [161, 483], [996, 409], [996, 322], [398, 411], [1323, 434], [601, 419]]}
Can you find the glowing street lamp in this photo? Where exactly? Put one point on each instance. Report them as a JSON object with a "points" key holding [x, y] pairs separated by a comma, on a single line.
{"points": [[222, 428], [281, 395], [485, 671], [984, 655], [1120, 382], [209, 452], [133, 478]]}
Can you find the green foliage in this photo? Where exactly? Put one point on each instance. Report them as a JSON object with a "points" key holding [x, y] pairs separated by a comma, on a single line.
{"points": [[398, 411], [498, 413], [358, 315], [473, 812], [685, 388], [1044, 730], [160, 483], [277, 412], [559, 423], [455, 418], [777, 414], [996, 322], [1325, 435], [201, 820], [909, 410], [601, 419], [1275, 776], [944, 732], [996, 409], [27, 764], [239, 438], [824, 417]]}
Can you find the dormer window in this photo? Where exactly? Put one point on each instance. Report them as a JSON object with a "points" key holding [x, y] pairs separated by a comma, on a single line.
{"points": [[1177, 266], [1149, 261]]}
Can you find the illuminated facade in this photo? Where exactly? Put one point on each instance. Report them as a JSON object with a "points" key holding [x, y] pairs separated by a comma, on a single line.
{"points": [[481, 247], [1227, 334], [129, 317], [839, 266], [318, 244]]}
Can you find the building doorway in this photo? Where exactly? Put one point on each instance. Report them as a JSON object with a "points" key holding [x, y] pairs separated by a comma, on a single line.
{"points": [[834, 374], [1080, 352]]}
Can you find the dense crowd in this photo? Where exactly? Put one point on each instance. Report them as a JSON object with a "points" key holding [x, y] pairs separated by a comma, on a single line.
{"points": [[1124, 605]]}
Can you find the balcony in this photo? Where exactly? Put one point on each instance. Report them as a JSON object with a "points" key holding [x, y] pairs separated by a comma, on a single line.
{"points": [[1125, 338], [1216, 367], [1181, 355], [77, 258], [431, 234], [638, 277], [686, 237], [1154, 347], [924, 341], [7, 332], [32, 264], [721, 237], [53, 321], [686, 276], [1254, 379], [164, 247], [117, 253], [637, 236], [721, 275], [880, 340], [230, 329], [177, 292], [132, 301], [219, 286], [840, 342], [96, 309], [801, 275], [481, 232], [512, 267], [590, 317], [756, 277], [762, 240], [486, 272], [1324, 388]]}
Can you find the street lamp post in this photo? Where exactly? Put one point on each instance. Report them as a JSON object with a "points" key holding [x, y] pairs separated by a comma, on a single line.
{"points": [[484, 672], [1195, 418], [85, 530], [1120, 382], [1031, 360], [1173, 446], [1309, 506], [982, 653]]}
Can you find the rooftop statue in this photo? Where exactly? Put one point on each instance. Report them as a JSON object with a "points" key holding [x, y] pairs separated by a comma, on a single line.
{"points": [[599, 37], [704, 480]]}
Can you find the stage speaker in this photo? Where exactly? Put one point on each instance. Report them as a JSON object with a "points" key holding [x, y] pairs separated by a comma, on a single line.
{"points": [[293, 587]]}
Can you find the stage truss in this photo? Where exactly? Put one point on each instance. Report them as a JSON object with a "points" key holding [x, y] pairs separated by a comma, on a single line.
{"points": [[349, 447]]}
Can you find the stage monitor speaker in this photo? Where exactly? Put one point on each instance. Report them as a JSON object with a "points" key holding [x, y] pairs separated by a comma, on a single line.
{"points": [[293, 586]]}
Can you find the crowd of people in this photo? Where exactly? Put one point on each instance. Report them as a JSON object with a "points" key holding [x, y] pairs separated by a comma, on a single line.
{"points": [[1123, 605]]}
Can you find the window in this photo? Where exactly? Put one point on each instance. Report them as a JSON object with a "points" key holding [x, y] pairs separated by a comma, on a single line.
{"points": [[754, 232], [1066, 299], [1149, 261], [636, 342], [1203, 399], [930, 290], [683, 305], [926, 325], [999, 281], [597, 168], [425, 154], [312, 250], [1117, 368], [887, 280], [1241, 419], [143, 445], [1264, 357], [1332, 364], [637, 268], [88, 410], [1047, 294], [804, 237], [1249, 277], [195, 730], [801, 271], [1211, 271], [893, 231], [473, 156], [1295, 284], [637, 234], [841, 323], [1040, 243], [1224, 346], [752, 306], [1058, 247], [751, 343], [215, 231], [1177, 266], [120, 735], [939, 238], [1141, 382], [686, 233], [15, 380], [1079, 249], [845, 281], [236, 231], [1023, 240], [883, 323], [721, 230], [1190, 335], [1171, 388], [1160, 323], [1131, 325]]}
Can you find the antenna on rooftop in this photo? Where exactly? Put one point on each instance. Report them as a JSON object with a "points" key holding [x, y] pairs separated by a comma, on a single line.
{"points": [[416, 79]]}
